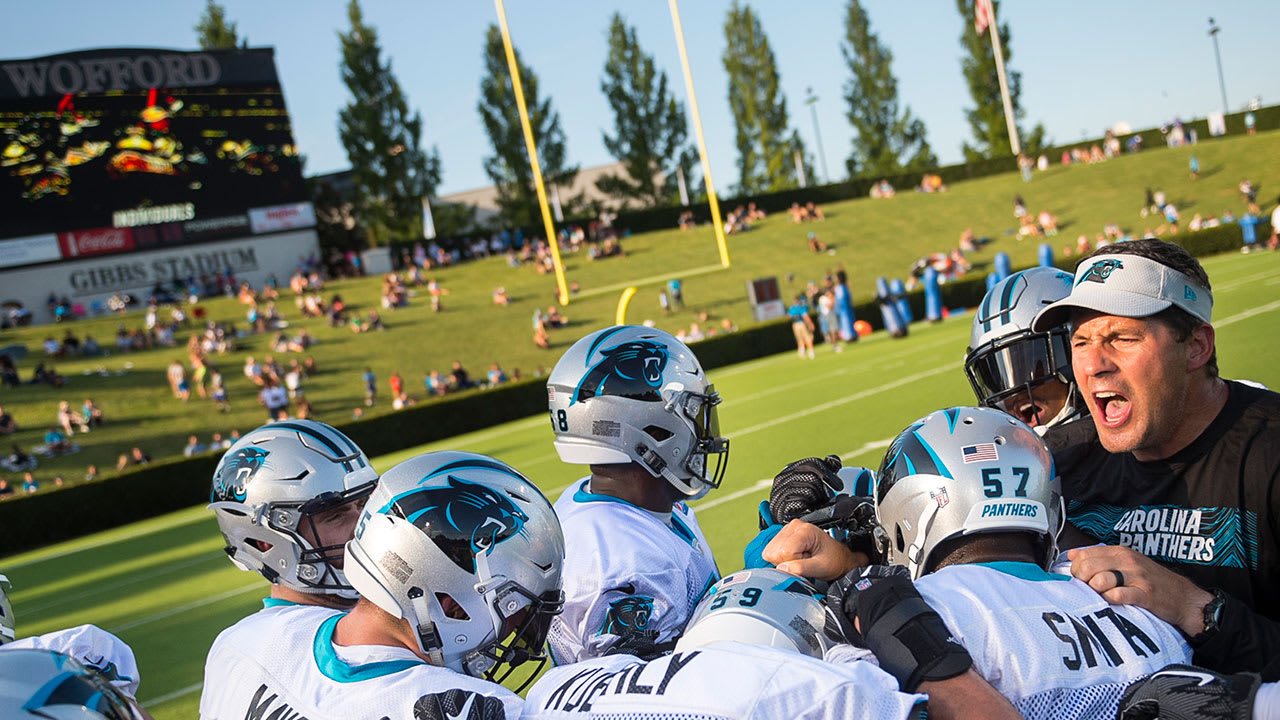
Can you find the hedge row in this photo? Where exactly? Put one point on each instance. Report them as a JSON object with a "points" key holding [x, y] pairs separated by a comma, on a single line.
{"points": [[160, 487]]}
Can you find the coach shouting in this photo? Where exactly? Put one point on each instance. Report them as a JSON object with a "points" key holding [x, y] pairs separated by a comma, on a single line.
{"points": [[1178, 470]]}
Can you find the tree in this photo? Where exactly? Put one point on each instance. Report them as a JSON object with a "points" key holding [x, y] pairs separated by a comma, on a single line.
{"points": [[390, 170], [214, 32], [889, 140], [765, 145], [650, 130], [509, 166], [986, 121]]}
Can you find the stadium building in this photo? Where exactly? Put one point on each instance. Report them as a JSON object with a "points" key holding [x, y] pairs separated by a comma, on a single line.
{"points": [[127, 170]]}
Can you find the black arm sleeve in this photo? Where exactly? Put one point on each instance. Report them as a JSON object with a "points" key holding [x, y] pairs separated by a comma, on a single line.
{"points": [[1246, 641]]}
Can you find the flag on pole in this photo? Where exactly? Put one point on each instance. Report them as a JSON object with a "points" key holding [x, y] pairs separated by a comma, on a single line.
{"points": [[983, 15], [428, 221]]}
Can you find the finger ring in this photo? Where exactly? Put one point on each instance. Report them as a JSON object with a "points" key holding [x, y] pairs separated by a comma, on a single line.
{"points": [[1119, 578]]}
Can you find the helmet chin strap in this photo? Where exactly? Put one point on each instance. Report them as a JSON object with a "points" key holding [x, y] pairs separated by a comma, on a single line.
{"points": [[915, 563], [428, 636]]}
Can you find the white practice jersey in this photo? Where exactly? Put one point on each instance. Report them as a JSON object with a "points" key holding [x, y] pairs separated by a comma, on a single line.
{"points": [[721, 681], [1050, 643], [92, 646], [627, 574], [281, 663]]}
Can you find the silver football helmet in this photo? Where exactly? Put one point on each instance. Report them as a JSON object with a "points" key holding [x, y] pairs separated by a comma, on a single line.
{"points": [[635, 394], [50, 685], [7, 623], [267, 491], [1006, 361], [763, 606], [469, 552], [961, 471]]}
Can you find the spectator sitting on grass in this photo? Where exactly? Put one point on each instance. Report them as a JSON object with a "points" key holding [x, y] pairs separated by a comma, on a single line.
{"points": [[553, 318], [69, 420], [500, 296], [815, 244], [138, 456], [814, 212], [303, 409], [6, 492], [375, 321], [91, 414], [496, 376], [8, 425], [46, 376], [55, 443], [217, 442], [29, 484], [193, 447], [91, 473], [17, 461], [8, 373], [458, 377], [122, 462]]}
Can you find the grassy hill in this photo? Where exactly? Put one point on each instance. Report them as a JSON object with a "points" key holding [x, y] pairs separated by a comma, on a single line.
{"points": [[869, 238]]}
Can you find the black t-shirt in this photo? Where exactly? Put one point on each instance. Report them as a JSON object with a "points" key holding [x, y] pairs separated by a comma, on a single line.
{"points": [[1210, 512]]}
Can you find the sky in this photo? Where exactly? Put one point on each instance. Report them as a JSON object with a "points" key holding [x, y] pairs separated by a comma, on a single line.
{"points": [[1085, 65]]}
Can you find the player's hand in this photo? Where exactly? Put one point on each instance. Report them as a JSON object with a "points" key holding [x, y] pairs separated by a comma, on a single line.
{"points": [[804, 486], [1185, 692], [879, 608], [805, 550], [1147, 584]]}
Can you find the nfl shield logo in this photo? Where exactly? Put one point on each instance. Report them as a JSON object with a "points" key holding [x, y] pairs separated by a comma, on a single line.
{"points": [[863, 584], [940, 496]]}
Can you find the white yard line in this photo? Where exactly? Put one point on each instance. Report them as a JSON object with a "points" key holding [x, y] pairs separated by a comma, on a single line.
{"points": [[259, 587], [173, 695], [101, 588], [1247, 314]]}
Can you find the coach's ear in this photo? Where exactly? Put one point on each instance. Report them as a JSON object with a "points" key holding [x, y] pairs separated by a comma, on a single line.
{"points": [[1200, 347]]}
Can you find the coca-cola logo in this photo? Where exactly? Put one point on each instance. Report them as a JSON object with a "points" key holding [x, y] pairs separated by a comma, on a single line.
{"points": [[107, 240]]}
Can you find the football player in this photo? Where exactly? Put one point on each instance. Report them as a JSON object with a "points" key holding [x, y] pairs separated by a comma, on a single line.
{"points": [[457, 562], [1026, 374], [92, 646], [286, 497], [48, 684], [754, 648], [634, 404], [971, 508]]}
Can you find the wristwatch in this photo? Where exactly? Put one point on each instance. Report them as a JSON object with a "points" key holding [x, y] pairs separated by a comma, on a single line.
{"points": [[1212, 619]]}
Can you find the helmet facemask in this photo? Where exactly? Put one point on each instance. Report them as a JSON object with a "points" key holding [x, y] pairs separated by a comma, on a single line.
{"points": [[1005, 374], [708, 456]]}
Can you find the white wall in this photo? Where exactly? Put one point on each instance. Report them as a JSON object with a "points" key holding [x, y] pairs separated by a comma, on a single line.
{"points": [[96, 279]]}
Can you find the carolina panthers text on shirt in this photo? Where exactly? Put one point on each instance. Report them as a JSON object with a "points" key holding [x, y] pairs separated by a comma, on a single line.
{"points": [[1225, 537], [576, 693], [1099, 637]]}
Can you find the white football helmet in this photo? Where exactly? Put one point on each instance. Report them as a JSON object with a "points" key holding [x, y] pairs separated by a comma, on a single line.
{"points": [[1005, 360], [763, 606], [268, 489], [7, 623], [961, 471], [635, 394], [469, 552], [49, 685]]}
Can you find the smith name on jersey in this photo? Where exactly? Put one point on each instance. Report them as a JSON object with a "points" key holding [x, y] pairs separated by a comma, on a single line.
{"points": [[1049, 642], [282, 663], [630, 575], [726, 680]]}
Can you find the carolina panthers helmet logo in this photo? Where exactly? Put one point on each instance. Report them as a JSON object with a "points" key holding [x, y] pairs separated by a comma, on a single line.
{"points": [[1100, 271], [464, 519], [628, 616], [632, 369], [236, 470]]}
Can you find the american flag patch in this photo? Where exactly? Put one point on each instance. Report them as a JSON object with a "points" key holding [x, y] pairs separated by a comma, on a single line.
{"points": [[979, 453]]}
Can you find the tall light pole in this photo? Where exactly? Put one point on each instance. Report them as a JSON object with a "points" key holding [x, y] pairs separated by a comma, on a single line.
{"points": [[812, 101], [1222, 85]]}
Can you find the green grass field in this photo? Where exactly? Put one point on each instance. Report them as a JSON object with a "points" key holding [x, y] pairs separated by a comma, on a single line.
{"points": [[869, 237], [166, 588]]}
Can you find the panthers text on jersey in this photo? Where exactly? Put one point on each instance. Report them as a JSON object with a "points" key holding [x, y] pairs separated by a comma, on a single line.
{"points": [[628, 576], [1050, 643], [281, 663], [726, 681], [92, 646]]}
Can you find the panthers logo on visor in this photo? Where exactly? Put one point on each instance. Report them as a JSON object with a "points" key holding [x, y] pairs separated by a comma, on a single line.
{"points": [[464, 519], [1100, 271], [237, 469], [632, 369]]}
